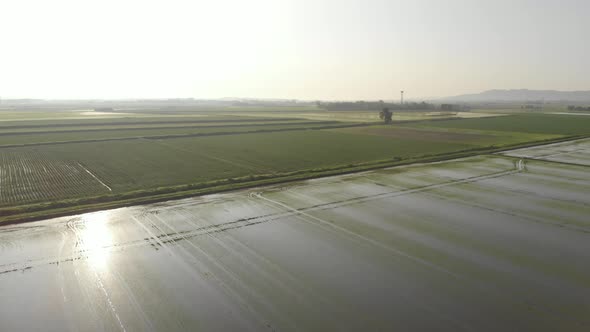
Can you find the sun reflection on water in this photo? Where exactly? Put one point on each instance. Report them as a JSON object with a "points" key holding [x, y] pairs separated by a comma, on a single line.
{"points": [[95, 239]]}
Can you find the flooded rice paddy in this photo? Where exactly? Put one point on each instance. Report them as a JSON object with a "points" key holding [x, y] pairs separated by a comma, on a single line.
{"points": [[575, 152], [489, 243]]}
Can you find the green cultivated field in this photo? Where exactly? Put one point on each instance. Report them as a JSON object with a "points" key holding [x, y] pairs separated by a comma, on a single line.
{"points": [[143, 164], [423, 132], [77, 134], [45, 163], [522, 123]]}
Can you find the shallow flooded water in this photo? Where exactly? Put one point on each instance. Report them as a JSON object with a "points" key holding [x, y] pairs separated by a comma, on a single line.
{"points": [[575, 152], [485, 244]]}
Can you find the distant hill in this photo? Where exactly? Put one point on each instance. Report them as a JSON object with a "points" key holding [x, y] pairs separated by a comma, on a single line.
{"points": [[523, 95]]}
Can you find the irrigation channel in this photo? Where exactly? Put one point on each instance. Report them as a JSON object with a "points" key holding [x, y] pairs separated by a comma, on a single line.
{"points": [[487, 243]]}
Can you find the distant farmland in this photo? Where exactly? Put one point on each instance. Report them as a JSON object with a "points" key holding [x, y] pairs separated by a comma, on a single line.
{"points": [[522, 123], [59, 162]]}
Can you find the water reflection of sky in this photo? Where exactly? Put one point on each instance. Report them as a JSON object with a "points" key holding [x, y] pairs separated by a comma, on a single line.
{"points": [[96, 239]]}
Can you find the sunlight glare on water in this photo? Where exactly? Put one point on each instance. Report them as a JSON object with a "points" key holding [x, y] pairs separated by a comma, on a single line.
{"points": [[96, 239]]}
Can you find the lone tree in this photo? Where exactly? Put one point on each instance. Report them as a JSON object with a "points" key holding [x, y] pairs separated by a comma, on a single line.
{"points": [[386, 115]]}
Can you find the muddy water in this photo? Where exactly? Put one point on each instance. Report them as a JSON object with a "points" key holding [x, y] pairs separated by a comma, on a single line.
{"points": [[483, 244]]}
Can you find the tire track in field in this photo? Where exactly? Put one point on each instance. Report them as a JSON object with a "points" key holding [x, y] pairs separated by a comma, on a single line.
{"points": [[287, 282], [422, 305], [155, 241], [538, 306], [239, 287], [251, 167], [95, 177], [331, 227], [302, 215], [244, 222], [201, 271], [337, 230], [520, 166]]}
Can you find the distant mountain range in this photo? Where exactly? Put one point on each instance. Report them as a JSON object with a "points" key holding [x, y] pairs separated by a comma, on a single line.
{"points": [[523, 95]]}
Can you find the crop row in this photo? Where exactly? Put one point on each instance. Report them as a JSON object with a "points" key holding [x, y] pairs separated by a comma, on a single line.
{"points": [[28, 175]]}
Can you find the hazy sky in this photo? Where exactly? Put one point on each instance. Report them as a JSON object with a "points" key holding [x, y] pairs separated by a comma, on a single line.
{"points": [[306, 49]]}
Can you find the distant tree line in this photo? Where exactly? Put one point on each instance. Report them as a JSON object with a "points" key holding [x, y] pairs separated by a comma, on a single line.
{"points": [[454, 107], [531, 107], [373, 106], [104, 109], [270, 103], [578, 108]]}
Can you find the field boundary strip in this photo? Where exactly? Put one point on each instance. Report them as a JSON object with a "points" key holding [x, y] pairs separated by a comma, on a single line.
{"points": [[172, 136], [255, 124], [127, 123]]}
